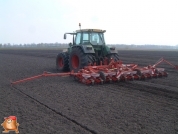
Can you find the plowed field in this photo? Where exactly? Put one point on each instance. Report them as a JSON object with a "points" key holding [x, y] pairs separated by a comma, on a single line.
{"points": [[61, 105]]}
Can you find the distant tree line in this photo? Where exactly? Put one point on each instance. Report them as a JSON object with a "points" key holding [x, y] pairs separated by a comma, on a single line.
{"points": [[65, 45], [35, 45]]}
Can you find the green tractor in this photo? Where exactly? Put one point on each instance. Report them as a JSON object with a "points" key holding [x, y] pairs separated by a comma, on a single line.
{"points": [[88, 48]]}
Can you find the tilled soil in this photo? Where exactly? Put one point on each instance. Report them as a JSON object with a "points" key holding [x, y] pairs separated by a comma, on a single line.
{"points": [[62, 105]]}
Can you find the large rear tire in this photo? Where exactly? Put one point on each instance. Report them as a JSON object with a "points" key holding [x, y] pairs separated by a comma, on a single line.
{"points": [[114, 56], [62, 61], [78, 59]]}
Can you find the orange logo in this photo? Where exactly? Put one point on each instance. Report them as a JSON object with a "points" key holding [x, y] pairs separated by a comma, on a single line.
{"points": [[10, 124]]}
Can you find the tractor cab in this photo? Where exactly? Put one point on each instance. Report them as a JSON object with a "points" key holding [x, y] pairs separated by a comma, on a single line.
{"points": [[88, 37]]}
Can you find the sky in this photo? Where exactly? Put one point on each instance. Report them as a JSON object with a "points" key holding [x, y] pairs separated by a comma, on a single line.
{"points": [[125, 21]]}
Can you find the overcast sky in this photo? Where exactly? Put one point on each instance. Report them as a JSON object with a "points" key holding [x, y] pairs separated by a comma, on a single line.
{"points": [[125, 21]]}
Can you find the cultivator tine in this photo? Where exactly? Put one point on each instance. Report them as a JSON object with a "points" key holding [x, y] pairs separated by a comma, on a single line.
{"points": [[102, 82]]}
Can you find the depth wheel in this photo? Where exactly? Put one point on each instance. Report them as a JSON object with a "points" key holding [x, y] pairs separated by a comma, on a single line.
{"points": [[102, 76]]}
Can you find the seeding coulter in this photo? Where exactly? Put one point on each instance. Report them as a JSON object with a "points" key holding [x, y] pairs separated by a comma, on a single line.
{"points": [[115, 71]]}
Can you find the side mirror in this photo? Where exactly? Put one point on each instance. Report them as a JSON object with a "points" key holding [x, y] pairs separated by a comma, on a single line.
{"points": [[65, 36]]}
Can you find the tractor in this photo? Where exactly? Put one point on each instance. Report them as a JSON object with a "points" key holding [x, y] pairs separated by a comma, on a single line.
{"points": [[88, 48], [90, 61]]}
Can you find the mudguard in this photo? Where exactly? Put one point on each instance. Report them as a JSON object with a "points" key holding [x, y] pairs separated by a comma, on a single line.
{"points": [[109, 50]]}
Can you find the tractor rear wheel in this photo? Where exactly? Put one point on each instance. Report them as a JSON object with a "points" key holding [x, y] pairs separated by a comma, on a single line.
{"points": [[114, 56], [78, 59], [62, 61]]}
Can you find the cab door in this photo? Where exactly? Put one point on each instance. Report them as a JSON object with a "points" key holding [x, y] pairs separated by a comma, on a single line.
{"points": [[78, 39]]}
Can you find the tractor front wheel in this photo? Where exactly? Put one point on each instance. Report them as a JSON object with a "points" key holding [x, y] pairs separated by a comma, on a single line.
{"points": [[62, 61]]}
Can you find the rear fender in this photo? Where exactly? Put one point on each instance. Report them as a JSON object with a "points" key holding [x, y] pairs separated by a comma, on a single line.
{"points": [[109, 50]]}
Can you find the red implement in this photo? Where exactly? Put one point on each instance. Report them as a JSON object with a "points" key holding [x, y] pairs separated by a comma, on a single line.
{"points": [[115, 71]]}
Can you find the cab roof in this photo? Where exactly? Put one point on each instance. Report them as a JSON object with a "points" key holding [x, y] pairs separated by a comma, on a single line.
{"points": [[91, 30]]}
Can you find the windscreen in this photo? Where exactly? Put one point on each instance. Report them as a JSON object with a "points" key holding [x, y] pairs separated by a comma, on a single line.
{"points": [[93, 38], [96, 38]]}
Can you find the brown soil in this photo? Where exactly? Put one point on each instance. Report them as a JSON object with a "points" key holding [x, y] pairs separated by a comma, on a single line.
{"points": [[61, 105]]}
